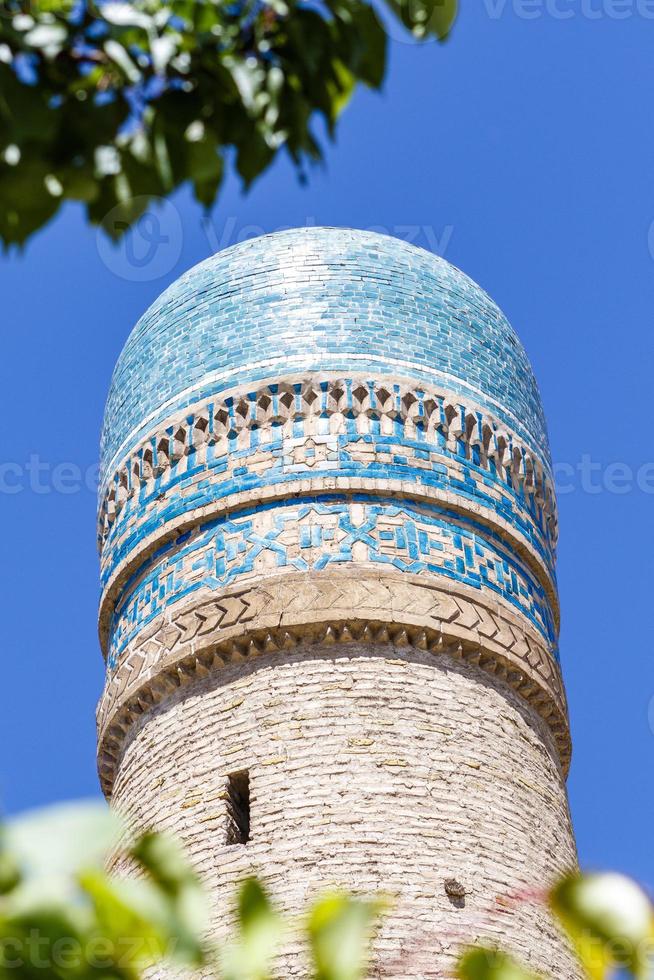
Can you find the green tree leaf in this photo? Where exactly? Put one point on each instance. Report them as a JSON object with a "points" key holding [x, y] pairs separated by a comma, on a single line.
{"points": [[609, 920], [133, 916], [105, 77], [44, 942], [162, 857], [259, 932], [340, 929], [491, 964], [84, 832], [62, 915], [10, 875], [426, 18]]}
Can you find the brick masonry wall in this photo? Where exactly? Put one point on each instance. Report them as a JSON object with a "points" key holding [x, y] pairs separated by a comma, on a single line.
{"points": [[371, 769]]}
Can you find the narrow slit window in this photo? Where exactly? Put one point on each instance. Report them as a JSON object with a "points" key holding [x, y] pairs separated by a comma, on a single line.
{"points": [[238, 807]]}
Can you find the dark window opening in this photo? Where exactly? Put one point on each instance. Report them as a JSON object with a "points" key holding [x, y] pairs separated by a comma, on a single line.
{"points": [[238, 807]]}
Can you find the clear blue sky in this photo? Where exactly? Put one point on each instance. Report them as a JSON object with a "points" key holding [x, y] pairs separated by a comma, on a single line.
{"points": [[526, 148]]}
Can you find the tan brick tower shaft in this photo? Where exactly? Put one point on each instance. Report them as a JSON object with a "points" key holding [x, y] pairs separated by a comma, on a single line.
{"points": [[329, 608]]}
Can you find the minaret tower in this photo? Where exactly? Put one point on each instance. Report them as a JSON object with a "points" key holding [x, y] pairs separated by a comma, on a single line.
{"points": [[329, 610]]}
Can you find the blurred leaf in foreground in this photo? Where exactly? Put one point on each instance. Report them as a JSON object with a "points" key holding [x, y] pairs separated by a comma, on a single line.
{"points": [[610, 922], [340, 929], [489, 964], [62, 915], [259, 932], [110, 103]]}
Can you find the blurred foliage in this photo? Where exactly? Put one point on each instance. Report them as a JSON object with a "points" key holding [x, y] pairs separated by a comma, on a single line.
{"points": [[339, 935], [62, 915], [113, 103], [608, 920]]}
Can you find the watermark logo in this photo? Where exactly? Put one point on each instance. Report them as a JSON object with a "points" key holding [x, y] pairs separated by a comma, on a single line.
{"points": [[145, 249], [429, 237], [149, 247]]}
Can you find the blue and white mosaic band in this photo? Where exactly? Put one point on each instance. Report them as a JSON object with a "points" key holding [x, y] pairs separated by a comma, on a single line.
{"points": [[350, 425], [315, 535], [306, 437]]}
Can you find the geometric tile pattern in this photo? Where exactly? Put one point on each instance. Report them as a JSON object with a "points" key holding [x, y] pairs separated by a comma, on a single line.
{"points": [[314, 536]]}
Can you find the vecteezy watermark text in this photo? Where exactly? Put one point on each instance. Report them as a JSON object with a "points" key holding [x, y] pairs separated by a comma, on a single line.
{"points": [[586, 475], [41, 477], [592, 477], [150, 248], [231, 232], [567, 9], [39, 951]]}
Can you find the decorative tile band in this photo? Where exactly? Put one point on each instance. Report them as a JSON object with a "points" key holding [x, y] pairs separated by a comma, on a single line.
{"points": [[329, 428], [314, 535], [219, 385], [281, 614]]}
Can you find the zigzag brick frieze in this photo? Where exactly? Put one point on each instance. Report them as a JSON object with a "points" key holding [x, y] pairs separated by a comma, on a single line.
{"points": [[290, 611]]}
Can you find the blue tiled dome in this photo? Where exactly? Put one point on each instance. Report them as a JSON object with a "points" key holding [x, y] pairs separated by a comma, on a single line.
{"points": [[319, 299]]}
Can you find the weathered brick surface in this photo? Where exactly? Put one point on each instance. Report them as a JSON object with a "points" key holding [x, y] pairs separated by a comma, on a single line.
{"points": [[373, 771]]}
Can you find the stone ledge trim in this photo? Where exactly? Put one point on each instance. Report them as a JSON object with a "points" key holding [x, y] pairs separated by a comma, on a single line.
{"points": [[363, 399], [282, 614]]}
